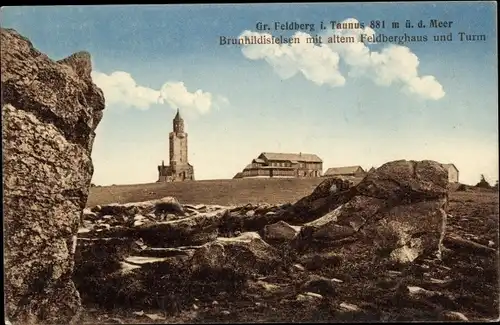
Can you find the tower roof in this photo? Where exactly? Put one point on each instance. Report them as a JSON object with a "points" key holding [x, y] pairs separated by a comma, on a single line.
{"points": [[178, 115]]}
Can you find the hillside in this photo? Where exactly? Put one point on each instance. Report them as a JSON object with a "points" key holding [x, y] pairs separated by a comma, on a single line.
{"points": [[223, 192]]}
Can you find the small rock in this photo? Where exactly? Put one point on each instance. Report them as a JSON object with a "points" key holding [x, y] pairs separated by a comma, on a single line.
{"points": [[103, 226], [250, 213], [455, 316], [225, 312], [138, 223], [195, 307], [299, 267], [267, 286], [139, 217], [314, 295], [491, 243], [419, 292], [301, 297], [319, 284], [438, 281], [349, 307], [114, 320], [154, 316], [96, 209], [215, 302]]}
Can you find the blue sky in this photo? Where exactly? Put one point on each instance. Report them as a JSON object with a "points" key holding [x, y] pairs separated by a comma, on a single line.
{"points": [[352, 104]]}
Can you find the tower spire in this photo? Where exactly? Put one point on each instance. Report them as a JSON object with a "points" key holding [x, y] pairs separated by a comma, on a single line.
{"points": [[178, 123]]}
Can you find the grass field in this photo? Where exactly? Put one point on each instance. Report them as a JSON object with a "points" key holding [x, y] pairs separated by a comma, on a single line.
{"points": [[223, 192]]}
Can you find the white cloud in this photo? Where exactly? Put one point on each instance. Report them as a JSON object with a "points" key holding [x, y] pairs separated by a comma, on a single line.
{"points": [[394, 64], [120, 89], [317, 63]]}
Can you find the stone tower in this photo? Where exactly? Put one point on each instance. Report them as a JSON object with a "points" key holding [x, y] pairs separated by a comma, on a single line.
{"points": [[179, 168], [178, 142]]}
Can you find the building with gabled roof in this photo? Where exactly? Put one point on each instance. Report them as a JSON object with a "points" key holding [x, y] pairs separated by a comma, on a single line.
{"points": [[354, 171], [274, 164]]}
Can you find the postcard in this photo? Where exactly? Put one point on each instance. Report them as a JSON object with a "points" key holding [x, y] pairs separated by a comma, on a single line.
{"points": [[279, 162]]}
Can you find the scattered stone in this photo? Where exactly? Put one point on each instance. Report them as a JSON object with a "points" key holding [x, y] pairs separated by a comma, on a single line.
{"points": [[154, 316], [307, 298], [455, 316], [280, 231], [349, 307], [320, 285], [415, 291], [317, 261], [245, 254], [194, 230], [314, 295]]}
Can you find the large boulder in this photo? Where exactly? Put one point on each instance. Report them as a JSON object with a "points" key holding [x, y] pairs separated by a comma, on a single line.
{"points": [[280, 232], [49, 113], [246, 254], [328, 195], [158, 207], [195, 230], [396, 212]]}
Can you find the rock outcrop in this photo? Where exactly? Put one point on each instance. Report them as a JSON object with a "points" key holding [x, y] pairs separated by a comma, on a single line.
{"points": [[49, 113], [397, 211], [344, 253]]}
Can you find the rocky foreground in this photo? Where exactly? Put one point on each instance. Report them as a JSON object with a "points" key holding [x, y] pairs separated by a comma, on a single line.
{"points": [[378, 251], [50, 110]]}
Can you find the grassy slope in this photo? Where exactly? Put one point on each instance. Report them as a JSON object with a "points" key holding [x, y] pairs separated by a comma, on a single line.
{"points": [[223, 192]]}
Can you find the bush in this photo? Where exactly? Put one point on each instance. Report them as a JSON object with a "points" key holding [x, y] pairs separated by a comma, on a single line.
{"points": [[483, 183]]}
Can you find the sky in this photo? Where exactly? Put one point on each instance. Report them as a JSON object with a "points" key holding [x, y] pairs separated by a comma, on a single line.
{"points": [[361, 103]]}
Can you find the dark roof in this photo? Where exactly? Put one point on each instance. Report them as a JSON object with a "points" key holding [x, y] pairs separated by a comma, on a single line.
{"points": [[343, 170], [301, 157], [178, 116]]}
